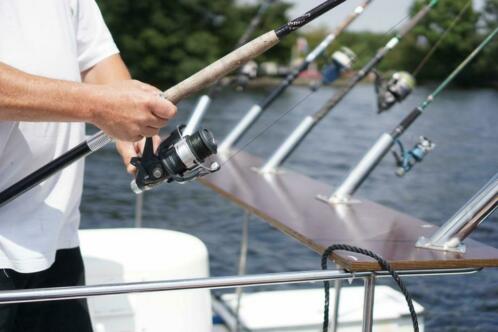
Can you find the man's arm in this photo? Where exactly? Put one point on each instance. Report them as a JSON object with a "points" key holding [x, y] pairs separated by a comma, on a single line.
{"points": [[111, 71], [128, 110]]}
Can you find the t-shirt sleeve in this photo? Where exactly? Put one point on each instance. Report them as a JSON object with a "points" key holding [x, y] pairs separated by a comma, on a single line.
{"points": [[94, 41]]}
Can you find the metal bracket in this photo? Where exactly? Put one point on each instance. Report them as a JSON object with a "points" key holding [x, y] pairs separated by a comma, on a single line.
{"points": [[453, 245]]}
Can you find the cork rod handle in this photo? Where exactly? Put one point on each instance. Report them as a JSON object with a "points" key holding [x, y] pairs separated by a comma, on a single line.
{"points": [[221, 67]]}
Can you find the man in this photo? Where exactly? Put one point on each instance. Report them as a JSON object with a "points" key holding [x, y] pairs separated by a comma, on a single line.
{"points": [[59, 68]]}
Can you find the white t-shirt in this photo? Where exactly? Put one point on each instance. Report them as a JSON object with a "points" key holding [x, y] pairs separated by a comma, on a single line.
{"points": [[56, 39]]}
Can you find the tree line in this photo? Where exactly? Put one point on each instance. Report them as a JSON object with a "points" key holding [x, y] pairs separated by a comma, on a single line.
{"points": [[165, 41]]}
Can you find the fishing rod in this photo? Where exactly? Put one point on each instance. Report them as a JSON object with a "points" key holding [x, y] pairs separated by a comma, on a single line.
{"points": [[383, 145], [257, 110], [194, 83], [305, 127], [394, 90], [205, 100]]}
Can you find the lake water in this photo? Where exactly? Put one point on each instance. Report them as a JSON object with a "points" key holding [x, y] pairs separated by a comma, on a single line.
{"points": [[463, 124]]}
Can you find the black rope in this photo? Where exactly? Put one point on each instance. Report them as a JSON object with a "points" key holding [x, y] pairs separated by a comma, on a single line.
{"points": [[382, 262]]}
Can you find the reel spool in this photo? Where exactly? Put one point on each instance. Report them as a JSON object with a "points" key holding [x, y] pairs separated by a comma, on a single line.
{"points": [[406, 160], [341, 61], [179, 158], [392, 91]]}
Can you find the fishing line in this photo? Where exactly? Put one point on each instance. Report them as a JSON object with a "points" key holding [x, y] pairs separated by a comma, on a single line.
{"points": [[278, 119], [457, 71], [386, 141], [391, 30], [401, 84], [383, 264], [304, 128], [443, 36], [271, 125], [340, 61]]}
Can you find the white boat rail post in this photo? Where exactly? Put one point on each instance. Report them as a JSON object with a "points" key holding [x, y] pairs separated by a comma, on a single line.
{"points": [[337, 301], [292, 142], [368, 303], [242, 268], [450, 236], [257, 110], [370, 161]]}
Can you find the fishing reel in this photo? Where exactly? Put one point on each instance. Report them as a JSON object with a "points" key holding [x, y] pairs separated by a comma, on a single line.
{"points": [[247, 73], [341, 61], [392, 91], [406, 160], [179, 158]]}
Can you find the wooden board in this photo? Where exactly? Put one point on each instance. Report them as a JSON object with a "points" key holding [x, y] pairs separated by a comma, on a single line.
{"points": [[288, 202]]}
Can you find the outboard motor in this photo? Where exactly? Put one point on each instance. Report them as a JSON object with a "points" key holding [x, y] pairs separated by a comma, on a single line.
{"points": [[341, 61], [392, 91]]}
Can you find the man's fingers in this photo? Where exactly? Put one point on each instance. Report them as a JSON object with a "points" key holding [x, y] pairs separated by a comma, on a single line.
{"points": [[157, 141], [150, 131], [162, 108], [156, 123], [127, 151], [131, 169]]}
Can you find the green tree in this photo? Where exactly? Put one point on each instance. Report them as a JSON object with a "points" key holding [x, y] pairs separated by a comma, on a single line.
{"points": [[459, 42], [486, 65], [165, 41]]}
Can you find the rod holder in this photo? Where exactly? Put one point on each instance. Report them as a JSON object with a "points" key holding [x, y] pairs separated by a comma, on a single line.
{"points": [[450, 236], [197, 115], [241, 127], [345, 192], [290, 144]]}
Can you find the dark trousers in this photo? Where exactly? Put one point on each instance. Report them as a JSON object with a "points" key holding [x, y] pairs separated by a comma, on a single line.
{"points": [[53, 316]]}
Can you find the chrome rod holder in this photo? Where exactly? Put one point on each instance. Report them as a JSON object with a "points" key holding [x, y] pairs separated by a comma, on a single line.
{"points": [[450, 236], [241, 127], [345, 192], [296, 137], [197, 115]]}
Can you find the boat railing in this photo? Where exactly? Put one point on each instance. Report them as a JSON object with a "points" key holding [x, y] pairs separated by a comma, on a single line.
{"points": [[369, 277]]}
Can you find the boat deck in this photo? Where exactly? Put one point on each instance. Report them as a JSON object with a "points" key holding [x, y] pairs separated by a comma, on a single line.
{"points": [[288, 201]]}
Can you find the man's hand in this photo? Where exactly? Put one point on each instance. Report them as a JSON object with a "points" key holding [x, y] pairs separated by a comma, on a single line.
{"points": [[132, 110], [129, 150], [125, 109], [156, 111]]}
